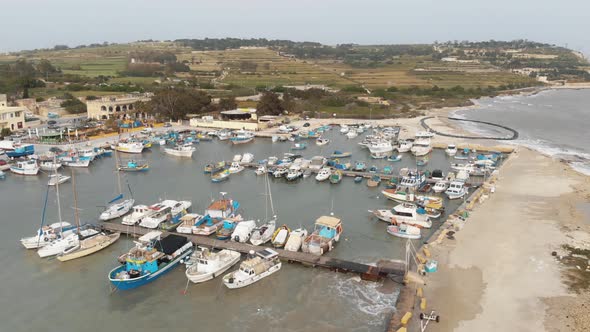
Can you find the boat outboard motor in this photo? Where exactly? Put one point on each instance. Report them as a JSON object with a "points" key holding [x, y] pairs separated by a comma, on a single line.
{"points": [[237, 238]]}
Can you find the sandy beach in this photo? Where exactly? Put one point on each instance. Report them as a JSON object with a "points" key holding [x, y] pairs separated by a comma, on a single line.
{"points": [[499, 273]]}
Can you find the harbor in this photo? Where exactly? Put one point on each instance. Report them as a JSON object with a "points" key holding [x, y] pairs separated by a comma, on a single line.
{"points": [[365, 248]]}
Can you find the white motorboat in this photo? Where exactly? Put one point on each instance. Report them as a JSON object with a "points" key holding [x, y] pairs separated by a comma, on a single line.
{"points": [[55, 179], [280, 172], [440, 186], [351, 134], [130, 147], [407, 213], [49, 165], [77, 163], [257, 266], [247, 158], [65, 243], [296, 239], [138, 212], [322, 141], [456, 190], [243, 231], [235, 168], [344, 129], [381, 149], [469, 167], [421, 147], [160, 212], [263, 233], [451, 150], [294, 173], [405, 145], [27, 167], [424, 134], [204, 265], [323, 174], [317, 162], [237, 158], [261, 170], [116, 210], [184, 150], [47, 234], [404, 231], [223, 135], [241, 137], [87, 153]]}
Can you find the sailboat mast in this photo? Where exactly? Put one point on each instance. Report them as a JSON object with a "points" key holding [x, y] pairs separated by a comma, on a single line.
{"points": [[272, 208], [57, 194], [76, 216], [118, 173]]}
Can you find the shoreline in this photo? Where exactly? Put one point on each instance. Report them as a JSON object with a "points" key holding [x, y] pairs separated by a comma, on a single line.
{"points": [[492, 274]]}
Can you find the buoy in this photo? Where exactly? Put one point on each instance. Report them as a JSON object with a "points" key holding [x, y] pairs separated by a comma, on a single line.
{"points": [[426, 252], [419, 292], [406, 318], [423, 303]]}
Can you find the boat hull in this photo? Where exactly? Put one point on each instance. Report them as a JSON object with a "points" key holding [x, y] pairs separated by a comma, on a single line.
{"points": [[112, 238], [202, 277], [254, 279], [127, 284]]}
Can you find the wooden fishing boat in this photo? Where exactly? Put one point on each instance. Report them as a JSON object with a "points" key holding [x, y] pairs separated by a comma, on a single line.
{"points": [[374, 181], [133, 166]]}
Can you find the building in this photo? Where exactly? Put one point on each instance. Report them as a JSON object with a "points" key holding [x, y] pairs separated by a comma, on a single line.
{"points": [[116, 106], [239, 114], [241, 118], [12, 118]]}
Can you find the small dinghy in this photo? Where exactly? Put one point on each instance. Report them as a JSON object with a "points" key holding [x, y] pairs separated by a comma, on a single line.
{"points": [[55, 179], [280, 236]]}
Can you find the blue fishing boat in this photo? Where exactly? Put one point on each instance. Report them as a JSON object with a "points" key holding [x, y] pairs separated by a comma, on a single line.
{"points": [[340, 154], [214, 167], [360, 166], [133, 166], [395, 158], [224, 233], [387, 170], [150, 259], [21, 151]]}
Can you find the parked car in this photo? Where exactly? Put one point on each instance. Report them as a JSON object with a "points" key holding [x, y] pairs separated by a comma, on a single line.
{"points": [[51, 122]]}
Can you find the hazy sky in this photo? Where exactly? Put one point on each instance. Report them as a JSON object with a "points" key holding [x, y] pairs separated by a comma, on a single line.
{"points": [[28, 24]]}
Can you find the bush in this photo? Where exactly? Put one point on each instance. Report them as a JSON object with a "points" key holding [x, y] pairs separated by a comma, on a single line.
{"points": [[5, 132]]}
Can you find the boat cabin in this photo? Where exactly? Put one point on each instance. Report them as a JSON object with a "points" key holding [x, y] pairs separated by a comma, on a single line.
{"points": [[328, 227], [222, 208]]}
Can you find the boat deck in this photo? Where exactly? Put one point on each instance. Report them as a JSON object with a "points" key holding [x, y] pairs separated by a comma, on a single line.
{"points": [[367, 272]]}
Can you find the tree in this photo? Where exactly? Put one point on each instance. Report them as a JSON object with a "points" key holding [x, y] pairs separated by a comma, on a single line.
{"points": [[45, 67], [228, 103], [269, 104], [176, 103], [5, 132]]}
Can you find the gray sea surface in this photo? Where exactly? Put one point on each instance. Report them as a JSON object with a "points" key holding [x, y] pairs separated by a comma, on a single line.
{"points": [[48, 295]]}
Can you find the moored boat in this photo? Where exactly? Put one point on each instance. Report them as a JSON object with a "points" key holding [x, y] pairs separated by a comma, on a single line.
{"points": [[323, 174], [325, 235], [296, 239], [27, 167], [205, 264], [151, 258], [55, 179], [260, 265], [404, 231], [280, 236], [184, 150]]}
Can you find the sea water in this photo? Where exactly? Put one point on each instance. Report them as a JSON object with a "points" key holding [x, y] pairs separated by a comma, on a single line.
{"points": [[553, 122], [48, 295]]}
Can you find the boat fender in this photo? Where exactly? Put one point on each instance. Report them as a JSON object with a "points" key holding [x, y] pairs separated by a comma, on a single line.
{"points": [[46, 239]]}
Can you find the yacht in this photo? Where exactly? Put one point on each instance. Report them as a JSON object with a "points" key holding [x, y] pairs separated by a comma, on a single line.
{"points": [[243, 231], [47, 234], [235, 168], [381, 149], [405, 145], [421, 147]]}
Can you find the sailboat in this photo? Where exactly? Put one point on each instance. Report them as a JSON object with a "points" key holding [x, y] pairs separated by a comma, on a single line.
{"points": [[264, 232], [114, 209], [69, 241]]}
